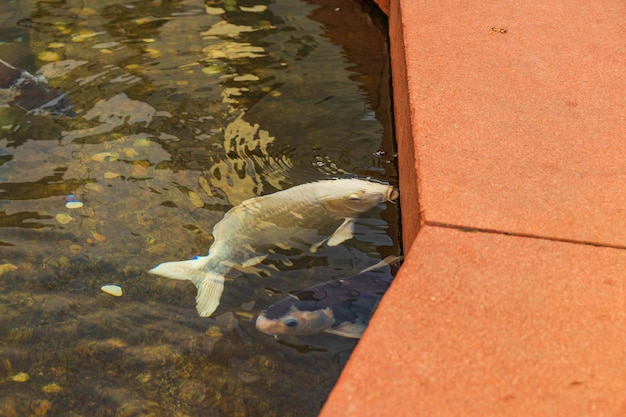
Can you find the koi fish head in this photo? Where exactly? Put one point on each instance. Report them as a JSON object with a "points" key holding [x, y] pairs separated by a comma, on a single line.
{"points": [[295, 322], [349, 197]]}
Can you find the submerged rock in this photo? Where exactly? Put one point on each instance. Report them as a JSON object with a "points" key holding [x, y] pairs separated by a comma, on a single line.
{"points": [[113, 290], [7, 268]]}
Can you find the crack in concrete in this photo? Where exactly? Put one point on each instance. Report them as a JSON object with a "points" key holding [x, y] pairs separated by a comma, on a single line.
{"points": [[470, 229]]}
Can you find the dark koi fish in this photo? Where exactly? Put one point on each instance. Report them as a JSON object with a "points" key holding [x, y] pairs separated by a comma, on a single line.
{"points": [[342, 307]]}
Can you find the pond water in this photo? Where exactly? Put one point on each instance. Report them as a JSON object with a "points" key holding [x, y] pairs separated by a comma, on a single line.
{"points": [[183, 110]]}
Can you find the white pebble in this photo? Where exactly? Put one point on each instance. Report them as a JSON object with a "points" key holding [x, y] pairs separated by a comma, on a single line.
{"points": [[113, 290], [73, 204]]}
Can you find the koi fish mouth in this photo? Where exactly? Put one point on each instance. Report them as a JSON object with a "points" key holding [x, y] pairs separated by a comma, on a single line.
{"points": [[392, 194]]}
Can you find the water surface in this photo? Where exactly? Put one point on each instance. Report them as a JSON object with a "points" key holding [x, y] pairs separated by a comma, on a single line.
{"points": [[184, 109]]}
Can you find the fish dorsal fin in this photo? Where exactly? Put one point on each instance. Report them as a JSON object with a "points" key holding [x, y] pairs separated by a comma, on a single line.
{"points": [[304, 295], [347, 329], [343, 232]]}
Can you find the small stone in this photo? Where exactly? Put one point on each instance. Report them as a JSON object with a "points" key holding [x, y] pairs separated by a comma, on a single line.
{"points": [[48, 56], [62, 28], [143, 20], [7, 268], [52, 388], [20, 377], [75, 249], [99, 237], [153, 53], [214, 331], [114, 290], [73, 205], [84, 35], [246, 77], [64, 218], [212, 69]]}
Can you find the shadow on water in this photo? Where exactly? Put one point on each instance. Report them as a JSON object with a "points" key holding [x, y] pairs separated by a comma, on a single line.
{"points": [[183, 110]]}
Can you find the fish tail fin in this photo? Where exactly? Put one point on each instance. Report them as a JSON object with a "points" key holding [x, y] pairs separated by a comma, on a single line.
{"points": [[210, 285]]}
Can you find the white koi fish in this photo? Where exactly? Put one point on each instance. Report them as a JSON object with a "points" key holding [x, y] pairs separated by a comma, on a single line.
{"points": [[285, 219]]}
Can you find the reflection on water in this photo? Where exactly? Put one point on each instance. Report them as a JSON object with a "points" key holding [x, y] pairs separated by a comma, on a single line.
{"points": [[183, 110]]}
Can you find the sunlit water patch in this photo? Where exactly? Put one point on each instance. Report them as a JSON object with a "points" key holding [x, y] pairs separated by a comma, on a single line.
{"points": [[183, 110]]}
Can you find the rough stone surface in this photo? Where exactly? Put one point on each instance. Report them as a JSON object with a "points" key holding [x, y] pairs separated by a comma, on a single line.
{"points": [[482, 324], [518, 115], [510, 122]]}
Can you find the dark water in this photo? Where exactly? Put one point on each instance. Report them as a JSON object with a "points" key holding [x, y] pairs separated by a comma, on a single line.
{"points": [[184, 109]]}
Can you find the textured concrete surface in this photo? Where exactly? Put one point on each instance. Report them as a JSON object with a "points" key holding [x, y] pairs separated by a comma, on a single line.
{"points": [[520, 131], [482, 324], [510, 122]]}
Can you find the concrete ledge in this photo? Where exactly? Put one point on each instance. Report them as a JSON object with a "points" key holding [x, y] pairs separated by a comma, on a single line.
{"points": [[481, 324], [510, 123]]}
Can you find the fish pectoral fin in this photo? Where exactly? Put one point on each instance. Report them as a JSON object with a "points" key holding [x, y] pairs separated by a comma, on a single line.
{"points": [[314, 247], [347, 329], [210, 287], [389, 260], [248, 267], [343, 232], [254, 261]]}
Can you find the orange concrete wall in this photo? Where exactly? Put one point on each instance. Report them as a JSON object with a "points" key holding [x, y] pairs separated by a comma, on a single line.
{"points": [[511, 131]]}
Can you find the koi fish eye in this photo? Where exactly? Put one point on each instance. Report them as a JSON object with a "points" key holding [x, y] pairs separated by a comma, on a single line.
{"points": [[354, 197], [291, 322]]}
